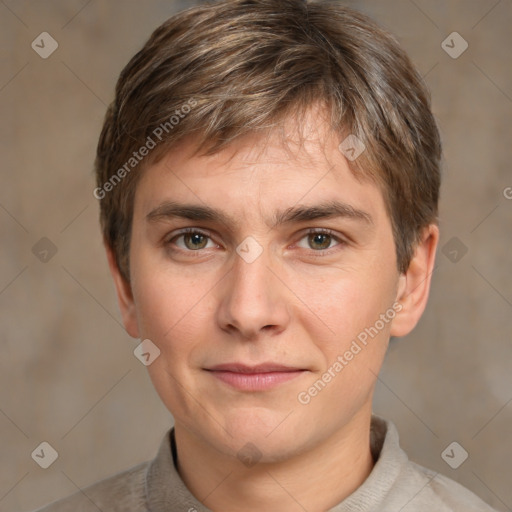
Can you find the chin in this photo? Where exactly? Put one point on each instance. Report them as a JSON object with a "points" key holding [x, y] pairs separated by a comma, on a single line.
{"points": [[265, 429]]}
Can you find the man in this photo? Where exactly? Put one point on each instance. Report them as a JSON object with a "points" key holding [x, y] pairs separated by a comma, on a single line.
{"points": [[268, 178]]}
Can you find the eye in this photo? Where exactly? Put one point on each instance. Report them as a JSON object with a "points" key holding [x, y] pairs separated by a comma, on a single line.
{"points": [[193, 240], [320, 239]]}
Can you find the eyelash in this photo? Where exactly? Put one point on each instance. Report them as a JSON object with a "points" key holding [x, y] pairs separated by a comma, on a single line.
{"points": [[321, 252]]}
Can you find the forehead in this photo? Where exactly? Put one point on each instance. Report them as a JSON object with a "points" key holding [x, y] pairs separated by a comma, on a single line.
{"points": [[261, 173]]}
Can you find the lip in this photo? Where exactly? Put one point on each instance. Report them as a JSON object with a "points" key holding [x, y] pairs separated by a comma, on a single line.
{"points": [[259, 377]]}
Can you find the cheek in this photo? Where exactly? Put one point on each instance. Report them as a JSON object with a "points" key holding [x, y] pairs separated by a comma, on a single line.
{"points": [[338, 304], [164, 295], [170, 314], [353, 346], [174, 311], [169, 311]]}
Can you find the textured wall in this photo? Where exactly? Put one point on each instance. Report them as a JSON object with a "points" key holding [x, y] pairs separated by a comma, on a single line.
{"points": [[67, 372]]}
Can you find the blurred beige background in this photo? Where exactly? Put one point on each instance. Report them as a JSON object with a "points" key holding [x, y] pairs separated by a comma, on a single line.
{"points": [[67, 371]]}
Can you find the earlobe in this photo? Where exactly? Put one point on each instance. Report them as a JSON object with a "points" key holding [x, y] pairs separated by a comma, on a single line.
{"points": [[124, 294], [414, 285]]}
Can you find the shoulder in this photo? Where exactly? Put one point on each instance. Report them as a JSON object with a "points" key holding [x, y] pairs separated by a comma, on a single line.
{"points": [[442, 494], [123, 492], [401, 484]]}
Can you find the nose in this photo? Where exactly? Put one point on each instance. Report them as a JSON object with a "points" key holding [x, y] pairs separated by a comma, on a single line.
{"points": [[254, 300]]}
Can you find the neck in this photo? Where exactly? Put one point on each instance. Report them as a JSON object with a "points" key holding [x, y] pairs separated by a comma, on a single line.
{"points": [[315, 480]]}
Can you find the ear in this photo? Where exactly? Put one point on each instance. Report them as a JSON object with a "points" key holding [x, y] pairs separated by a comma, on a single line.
{"points": [[414, 285], [124, 294]]}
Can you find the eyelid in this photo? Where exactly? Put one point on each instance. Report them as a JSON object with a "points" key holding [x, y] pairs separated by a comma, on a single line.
{"points": [[183, 231], [326, 231]]}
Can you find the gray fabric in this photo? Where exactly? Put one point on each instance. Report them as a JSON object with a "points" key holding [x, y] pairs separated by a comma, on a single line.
{"points": [[395, 484]]}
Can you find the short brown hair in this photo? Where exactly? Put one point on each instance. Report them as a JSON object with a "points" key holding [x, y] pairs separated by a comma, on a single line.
{"points": [[229, 68]]}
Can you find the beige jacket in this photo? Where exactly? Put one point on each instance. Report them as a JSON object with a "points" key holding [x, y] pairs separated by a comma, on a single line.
{"points": [[395, 484]]}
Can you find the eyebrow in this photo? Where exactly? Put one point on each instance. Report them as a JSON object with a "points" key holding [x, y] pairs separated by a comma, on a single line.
{"points": [[295, 214]]}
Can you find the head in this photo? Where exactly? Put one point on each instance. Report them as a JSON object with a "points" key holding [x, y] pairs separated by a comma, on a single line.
{"points": [[297, 143]]}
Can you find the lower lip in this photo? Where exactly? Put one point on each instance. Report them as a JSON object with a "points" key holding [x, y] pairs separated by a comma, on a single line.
{"points": [[255, 381]]}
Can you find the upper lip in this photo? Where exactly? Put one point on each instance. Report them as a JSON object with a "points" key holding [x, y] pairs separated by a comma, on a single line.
{"points": [[259, 368]]}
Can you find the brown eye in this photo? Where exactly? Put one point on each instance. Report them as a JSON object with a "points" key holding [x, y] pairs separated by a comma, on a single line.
{"points": [[195, 241], [320, 241]]}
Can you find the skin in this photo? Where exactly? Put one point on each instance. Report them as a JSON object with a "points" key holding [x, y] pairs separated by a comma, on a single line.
{"points": [[208, 306]]}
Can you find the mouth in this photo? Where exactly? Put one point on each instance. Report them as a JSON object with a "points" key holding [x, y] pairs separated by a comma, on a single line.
{"points": [[254, 378]]}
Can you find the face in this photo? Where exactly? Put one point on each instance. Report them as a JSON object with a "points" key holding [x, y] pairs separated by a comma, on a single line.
{"points": [[269, 287]]}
